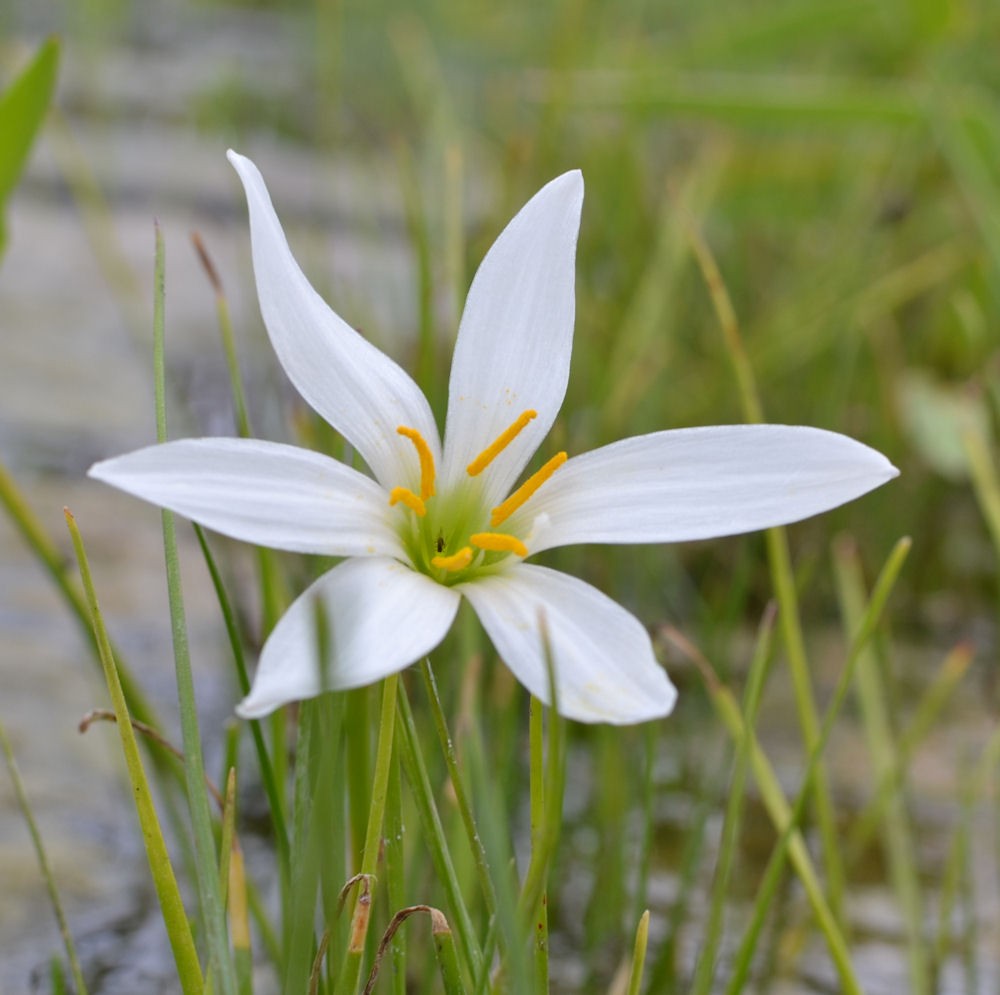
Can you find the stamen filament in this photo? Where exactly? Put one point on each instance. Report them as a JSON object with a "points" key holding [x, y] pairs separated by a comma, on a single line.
{"points": [[500, 443], [498, 542], [426, 460], [459, 561], [407, 497], [505, 509]]}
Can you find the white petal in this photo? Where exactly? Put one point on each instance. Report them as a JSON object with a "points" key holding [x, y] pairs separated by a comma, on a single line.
{"points": [[362, 393], [380, 617], [261, 492], [516, 336], [603, 660], [696, 483]]}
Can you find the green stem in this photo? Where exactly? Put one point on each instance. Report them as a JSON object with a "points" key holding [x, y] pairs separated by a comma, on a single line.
{"points": [[172, 908], [416, 774], [351, 971], [458, 785], [194, 767], [536, 777]]}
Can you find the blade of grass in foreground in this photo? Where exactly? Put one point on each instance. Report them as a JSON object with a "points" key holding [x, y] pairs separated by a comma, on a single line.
{"points": [[171, 907], [212, 908]]}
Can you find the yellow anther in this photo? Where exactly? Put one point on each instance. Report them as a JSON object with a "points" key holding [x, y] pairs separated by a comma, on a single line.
{"points": [[505, 509], [426, 460], [500, 443], [497, 542], [459, 561], [408, 498]]}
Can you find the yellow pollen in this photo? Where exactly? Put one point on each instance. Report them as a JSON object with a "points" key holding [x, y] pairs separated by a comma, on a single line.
{"points": [[505, 509], [497, 542], [408, 498], [426, 460], [500, 443], [459, 561]]}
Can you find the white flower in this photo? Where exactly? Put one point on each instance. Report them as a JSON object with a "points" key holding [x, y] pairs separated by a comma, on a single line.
{"points": [[433, 524]]}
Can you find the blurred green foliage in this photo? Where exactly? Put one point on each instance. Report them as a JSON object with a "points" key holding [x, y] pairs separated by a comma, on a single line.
{"points": [[22, 110]]}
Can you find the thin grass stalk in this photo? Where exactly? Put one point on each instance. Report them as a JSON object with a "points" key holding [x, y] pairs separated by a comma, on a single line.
{"points": [[929, 707], [43, 862], [395, 871], [789, 826], [175, 918], [437, 844], [705, 970], [536, 787], [780, 812], [358, 769], [458, 786], [638, 955], [782, 575], [899, 845], [194, 768], [300, 911], [227, 835], [351, 970], [243, 678]]}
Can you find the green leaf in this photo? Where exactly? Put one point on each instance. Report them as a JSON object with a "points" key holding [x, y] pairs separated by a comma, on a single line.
{"points": [[22, 110]]}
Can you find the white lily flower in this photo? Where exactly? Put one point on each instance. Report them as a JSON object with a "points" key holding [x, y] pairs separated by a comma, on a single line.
{"points": [[433, 524]]}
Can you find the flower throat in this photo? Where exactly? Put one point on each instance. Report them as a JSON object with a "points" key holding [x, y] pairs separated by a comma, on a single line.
{"points": [[441, 539]]}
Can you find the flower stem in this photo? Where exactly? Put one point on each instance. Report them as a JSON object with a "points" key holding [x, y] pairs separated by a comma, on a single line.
{"points": [[351, 970], [536, 778]]}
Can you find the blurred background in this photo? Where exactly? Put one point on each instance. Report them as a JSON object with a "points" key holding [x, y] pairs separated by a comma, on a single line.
{"points": [[841, 160]]}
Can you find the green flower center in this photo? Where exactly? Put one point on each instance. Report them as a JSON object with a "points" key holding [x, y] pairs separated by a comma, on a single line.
{"points": [[446, 536]]}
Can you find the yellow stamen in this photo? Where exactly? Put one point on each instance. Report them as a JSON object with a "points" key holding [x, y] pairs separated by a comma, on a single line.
{"points": [[408, 498], [426, 460], [498, 542], [499, 444], [459, 561], [505, 509]]}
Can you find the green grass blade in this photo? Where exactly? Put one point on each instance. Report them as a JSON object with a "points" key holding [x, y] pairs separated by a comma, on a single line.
{"points": [[212, 908], [43, 861], [175, 918], [22, 110], [899, 844]]}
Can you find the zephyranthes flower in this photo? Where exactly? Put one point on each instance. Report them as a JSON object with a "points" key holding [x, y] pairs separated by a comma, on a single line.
{"points": [[435, 523]]}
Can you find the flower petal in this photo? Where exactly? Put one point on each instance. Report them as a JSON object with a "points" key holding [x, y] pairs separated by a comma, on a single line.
{"points": [[261, 492], [603, 659], [380, 616], [362, 393], [697, 483], [516, 336]]}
